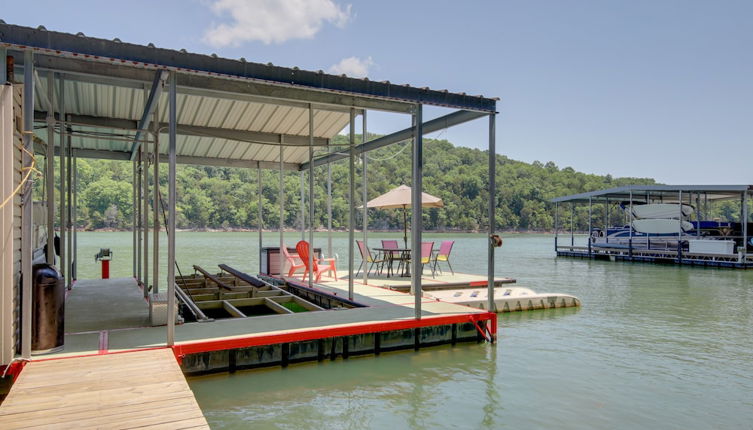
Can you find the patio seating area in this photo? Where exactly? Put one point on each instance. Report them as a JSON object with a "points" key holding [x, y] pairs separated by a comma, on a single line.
{"points": [[390, 254]]}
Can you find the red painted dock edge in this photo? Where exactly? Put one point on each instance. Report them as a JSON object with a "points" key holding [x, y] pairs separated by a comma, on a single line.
{"points": [[181, 350], [184, 349]]}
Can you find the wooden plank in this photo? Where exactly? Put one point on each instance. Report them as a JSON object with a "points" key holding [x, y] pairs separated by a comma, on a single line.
{"points": [[129, 390]]}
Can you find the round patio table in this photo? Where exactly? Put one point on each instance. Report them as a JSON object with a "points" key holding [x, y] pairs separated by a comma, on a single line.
{"points": [[397, 254]]}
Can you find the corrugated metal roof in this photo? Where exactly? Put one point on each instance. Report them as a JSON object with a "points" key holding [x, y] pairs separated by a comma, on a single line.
{"points": [[128, 54], [114, 102], [107, 85], [714, 192]]}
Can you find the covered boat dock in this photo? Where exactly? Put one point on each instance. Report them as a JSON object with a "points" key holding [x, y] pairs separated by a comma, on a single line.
{"points": [[69, 96], [614, 233]]}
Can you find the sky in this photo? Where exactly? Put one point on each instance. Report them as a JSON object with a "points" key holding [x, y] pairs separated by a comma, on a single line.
{"points": [[659, 88]]}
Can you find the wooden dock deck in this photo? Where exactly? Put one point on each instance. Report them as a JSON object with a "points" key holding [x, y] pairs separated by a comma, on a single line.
{"points": [[143, 389]]}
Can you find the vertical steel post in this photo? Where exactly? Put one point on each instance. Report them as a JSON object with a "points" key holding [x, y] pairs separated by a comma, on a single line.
{"points": [[630, 226], [259, 216], [365, 195], [330, 254], [27, 201], [679, 229], [3, 65], [416, 228], [61, 162], [606, 222], [352, 202], [74, 207], [155, 201], [50, 166], [172, 159], [556, 224], [69, 205], [139, 204], [745, 222], [145, 151], [491, 304], [134, 246], [302, 206], [281, 197], [698, 213], [311, 195], [572, 226], [590, 218]]}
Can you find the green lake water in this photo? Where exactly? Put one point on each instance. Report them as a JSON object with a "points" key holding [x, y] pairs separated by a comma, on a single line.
{"points": [[652, 347]]}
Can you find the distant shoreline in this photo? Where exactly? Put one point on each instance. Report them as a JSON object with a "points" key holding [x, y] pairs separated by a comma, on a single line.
{"points": [[291, 230]]}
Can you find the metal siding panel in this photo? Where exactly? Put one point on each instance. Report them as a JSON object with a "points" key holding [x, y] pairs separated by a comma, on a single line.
{"points": [[121, 102], [266, 153], [219, 113], [296, 122], [195, 143], [231, 147], [337, 124], [232, 115], [252, 115], [277, 119], [267, 112], [244, 151], [209, 148], [205, 111]]}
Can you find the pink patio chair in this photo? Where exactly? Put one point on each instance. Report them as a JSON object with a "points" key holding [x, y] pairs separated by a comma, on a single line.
{"points": [[444, 255], [427, 249], [391, 256], [367, 258]]}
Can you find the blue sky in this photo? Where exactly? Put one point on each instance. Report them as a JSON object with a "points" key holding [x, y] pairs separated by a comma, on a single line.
{"points": [[660, 88]]}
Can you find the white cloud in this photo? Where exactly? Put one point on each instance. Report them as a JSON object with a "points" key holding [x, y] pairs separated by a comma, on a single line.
{"points": [[272, 21], [352, 66]]}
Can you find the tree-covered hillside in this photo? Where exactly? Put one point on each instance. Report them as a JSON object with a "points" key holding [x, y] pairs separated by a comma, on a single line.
{"points": [[215, 197]]}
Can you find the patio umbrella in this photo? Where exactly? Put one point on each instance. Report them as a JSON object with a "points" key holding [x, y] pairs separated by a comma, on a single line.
{"points": [[400, 197]]}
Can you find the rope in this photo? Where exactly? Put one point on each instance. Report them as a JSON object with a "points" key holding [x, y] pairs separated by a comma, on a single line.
{"points": [[391, 156], [167, 231], [29, 170]]}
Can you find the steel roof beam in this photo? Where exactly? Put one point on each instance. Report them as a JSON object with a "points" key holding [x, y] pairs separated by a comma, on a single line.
{"points": [[139, 85], [151, 103], [455, 118], [93, 49], [182, 159], [257, 137], [269, 91]]}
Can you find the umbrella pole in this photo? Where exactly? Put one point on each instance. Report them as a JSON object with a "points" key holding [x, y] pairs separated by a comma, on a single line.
{"points": [[405, 228]]}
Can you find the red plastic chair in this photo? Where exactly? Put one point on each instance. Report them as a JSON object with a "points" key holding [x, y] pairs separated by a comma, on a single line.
{"points": [[303, 249], [291, 258]]}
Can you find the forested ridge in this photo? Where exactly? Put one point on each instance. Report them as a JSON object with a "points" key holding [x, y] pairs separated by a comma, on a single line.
{"points": [[219, 197]]}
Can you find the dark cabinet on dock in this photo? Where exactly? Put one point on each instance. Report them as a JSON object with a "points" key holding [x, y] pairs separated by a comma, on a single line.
{"points": [[270, 259]]}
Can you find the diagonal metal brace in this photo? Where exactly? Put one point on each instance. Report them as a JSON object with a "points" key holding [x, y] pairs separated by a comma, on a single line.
{"points": [[154, 94]]}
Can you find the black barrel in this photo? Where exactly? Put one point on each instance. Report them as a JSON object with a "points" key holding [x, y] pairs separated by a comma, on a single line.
{"points": [[48, 310]]}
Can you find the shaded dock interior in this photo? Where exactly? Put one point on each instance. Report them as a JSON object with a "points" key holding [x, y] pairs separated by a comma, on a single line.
{"points": [[272, 339]]}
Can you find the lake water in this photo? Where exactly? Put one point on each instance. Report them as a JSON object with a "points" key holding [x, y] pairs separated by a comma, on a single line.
{"points": [[651, 347]]}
